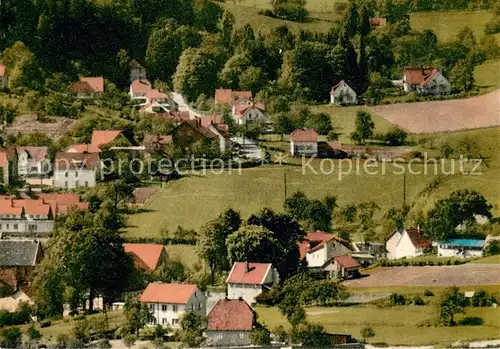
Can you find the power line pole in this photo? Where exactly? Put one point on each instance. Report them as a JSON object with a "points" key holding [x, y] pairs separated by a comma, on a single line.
{"points": [[404, 189], [284, 183]]}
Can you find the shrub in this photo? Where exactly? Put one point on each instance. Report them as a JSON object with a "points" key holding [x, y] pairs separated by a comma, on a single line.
{"points": [[281, 333], [291, 12], [493, 26], [471, 321], [418, 300], [397, 299], [45, 323], [428, 293], [482, 299], [129, 340], [260, 336]]}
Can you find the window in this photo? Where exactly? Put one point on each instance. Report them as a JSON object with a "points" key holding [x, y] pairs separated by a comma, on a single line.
{"points": [[32, 227], [175, 321], [174, 308], [164, 321], [163, 307], [86, 184], [242, 335], [7, 226], [76, 173], [66, 174], [151, 307], [77, 184], [15, 226], [65, 184]]}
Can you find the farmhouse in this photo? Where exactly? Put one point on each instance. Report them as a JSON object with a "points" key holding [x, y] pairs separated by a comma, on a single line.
{"points": [[3, 76], [425, 81], [87, 87], [248, 112], [26, 216], [137, 71], [343, 94], [406, 244], [320, 249], [32, 161], [138, 89], [73, 170], [248, 280], [168, 302], [304, 142], [344, 267], [229, 97], [146, 257], [230, 322], [378, 21], [461, 248], [188, 133]]}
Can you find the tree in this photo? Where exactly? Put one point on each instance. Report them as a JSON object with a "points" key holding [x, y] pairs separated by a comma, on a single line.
{"points": [[191, 333], [367, 332], [492, 249], [452, 302], [311, 335], [137, 314], [364, 126], [351, 21], [233, 69], [462, 75], [11, 338], [349, 213], [211, 243], [252, 243], [226, 27], [320, 122], [396, 136], [260, 336], [459, 208], [207, 15], [24, 68], [252, 79], [323, 293]]}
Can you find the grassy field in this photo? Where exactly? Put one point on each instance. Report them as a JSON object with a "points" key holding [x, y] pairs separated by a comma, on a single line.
{"points": [[487, 75], [488, 260], [324, 6], [395, 325], [418, 290]]}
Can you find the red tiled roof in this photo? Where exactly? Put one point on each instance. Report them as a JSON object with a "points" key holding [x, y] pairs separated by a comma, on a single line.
{"points": [[83, 148], [140, 87], [241, 109], [150, 139], [97, 83], [418, 238], [168, 293], [102, 137], [378, 21], [6, 207], [76, 161], [2, 70], [347, 262], [419, 76], [32, 207], [248, 273], [342, 82], [225, 96], [211, 120], [320, 238], [62, 203], [155, 94], [36, 153], [148, 253], [304, 135], [231, 315]]}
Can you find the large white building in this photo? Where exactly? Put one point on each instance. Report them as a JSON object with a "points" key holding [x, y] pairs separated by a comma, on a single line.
{"points": [[304, 142], [33, 161], [248, 280], [406, 244], [168, 302], [461, 248], [74, 170]]}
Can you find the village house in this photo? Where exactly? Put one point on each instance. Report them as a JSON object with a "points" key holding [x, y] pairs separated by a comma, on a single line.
{"points": [[100, 138], [63, 203], [248, 280], [248, 112], [137, 71], [406, 244], [146, 257], [320, 249], [344, 267], [425, 81], [3, 76], [228, 97], [378, 22], [87, 87], [304, 142], [191, 132], [33, 161], [168, 302], [343, 94], [461, 248], [366, 253], [8, 165], [73, 170], [138, 89], [230, 322], [18, 259]]}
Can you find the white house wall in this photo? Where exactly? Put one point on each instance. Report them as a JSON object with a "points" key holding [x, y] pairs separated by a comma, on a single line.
{"points": [[245, 291], [74, 178]]}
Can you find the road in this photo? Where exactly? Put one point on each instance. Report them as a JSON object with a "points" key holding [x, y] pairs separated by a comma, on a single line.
{"points": [[183, 105]]}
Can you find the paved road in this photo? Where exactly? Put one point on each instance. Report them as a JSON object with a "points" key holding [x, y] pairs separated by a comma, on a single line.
{"points": [[183, 105]]}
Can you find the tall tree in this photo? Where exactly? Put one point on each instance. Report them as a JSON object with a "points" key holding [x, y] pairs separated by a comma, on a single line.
{"points": [[452, 302], [364, 127], [252, 243], [351, 21]]}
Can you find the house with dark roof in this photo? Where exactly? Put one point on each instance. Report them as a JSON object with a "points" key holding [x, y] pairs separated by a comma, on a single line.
{"points": [[73, 170], [3, 76], [146, 257], [319, 250], [304, 142], [32, 161], [20, 253], [407, 243], [343, 94], [168, 302], [425, 81], [247, 280], [230, 322], [137, 71]]}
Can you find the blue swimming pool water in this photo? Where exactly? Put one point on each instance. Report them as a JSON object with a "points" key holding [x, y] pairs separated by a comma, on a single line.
{"points": [[465, 242]]}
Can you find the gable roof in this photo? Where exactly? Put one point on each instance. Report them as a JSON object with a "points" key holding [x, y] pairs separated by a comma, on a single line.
{"points": [[83, 148], [36, 153], [148, 253], [304, 135], [140, 86], [3, 69], [102, 137], [231, 315], [418, 238], [320, 238], [227, 96], [32, 206], [19, 253], [155, 94], [66, 161], [419, 76], [378, 21], [168, 293], [62, 203], [96, 83], [347, 262], [150, 139], [248, 273], [341, 83]]}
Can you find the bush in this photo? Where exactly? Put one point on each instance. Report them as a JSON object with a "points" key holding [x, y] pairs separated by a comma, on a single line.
{"points": [[45, 323], [260, 336], [428, 293], [493, 248], [418, 300], [397, 299], [493, 26], [291, 12], [471, 321], [482, 299], [281, 333]]}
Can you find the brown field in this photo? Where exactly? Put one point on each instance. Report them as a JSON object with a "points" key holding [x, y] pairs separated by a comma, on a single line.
{"points": [[463, 275], [55, 127], [141, 195], [444, 116]]}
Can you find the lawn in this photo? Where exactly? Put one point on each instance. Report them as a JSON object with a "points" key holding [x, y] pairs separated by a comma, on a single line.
{"points": [[419, 290], [487, 75], [488, 260], [321, 6], [446, 25], [395, 325]]}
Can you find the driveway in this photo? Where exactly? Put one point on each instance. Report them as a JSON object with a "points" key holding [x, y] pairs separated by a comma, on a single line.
{"points": [[184, 106]]}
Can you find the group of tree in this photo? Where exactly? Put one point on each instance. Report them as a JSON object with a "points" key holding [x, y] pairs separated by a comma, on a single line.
{"points": [[315, 214], [300, 116]]}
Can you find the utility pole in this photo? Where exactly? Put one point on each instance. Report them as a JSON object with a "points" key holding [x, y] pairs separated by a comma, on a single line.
{"points": [[284, 183], [404, 189]]}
